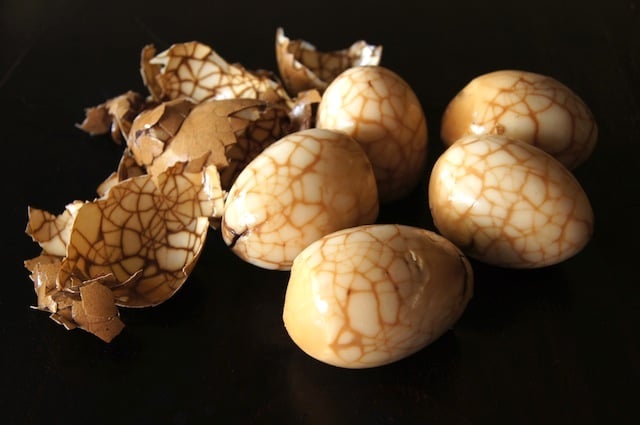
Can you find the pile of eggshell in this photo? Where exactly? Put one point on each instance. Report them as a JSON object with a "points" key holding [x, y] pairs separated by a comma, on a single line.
{"points": [[293, 173]]}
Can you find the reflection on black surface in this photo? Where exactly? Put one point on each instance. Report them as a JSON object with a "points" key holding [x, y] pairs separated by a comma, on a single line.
{"points": [[502, 296], [325, 394], [556, 345]]}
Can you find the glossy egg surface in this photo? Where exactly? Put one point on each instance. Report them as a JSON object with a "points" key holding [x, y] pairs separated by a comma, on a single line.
{"points": [[300, 188], [528, 106], [374, 294], [508, 203], [380, 110]]}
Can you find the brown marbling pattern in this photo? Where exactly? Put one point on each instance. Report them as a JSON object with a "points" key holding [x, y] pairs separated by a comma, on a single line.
{"points": [[379, 109], [531, 107], [300, 188], [508, 203], [374, 294]]}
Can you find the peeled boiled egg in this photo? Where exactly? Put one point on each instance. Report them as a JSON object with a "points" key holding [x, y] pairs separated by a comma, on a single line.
{"points": [[300, 188], [507, 203], [371, 295], [531, 107], [379, 109]]}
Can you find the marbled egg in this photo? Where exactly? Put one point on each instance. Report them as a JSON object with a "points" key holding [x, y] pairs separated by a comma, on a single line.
{"points": [[507, 203], [531, 107], [380, 110], [371, 295], [303, 186]]}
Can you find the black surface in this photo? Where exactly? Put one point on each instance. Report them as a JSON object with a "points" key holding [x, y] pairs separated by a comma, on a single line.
{"points": [[555, 345]]}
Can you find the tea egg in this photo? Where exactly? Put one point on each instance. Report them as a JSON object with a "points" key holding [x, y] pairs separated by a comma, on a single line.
{"points": [[507, 203], [531, 107], [380, 110], [374, 294], [304, 186]]}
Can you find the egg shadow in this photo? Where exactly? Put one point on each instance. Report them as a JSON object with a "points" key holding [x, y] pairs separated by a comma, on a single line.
{"points": [[504, 296], [322, 394]]}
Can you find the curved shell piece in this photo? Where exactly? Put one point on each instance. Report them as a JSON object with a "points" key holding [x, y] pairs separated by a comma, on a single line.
{"points": [[303, 67], [196, 72], [228, 132], [303, 186], [133, 247], [142, 239], [114, 116], [531, 107], [508, 203], [375, 106], [92, 308], [374, 294], [52, 232]]}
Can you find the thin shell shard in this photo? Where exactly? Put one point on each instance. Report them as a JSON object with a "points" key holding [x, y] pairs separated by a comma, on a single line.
{"points": [[229, 132], [96, 312], [52, 232], [303, 67], [92, 308], [304, 108], [44, 271], [148, 72], [114, 116], [142, 239], [127, 168], [195, 71], [133, 247]]}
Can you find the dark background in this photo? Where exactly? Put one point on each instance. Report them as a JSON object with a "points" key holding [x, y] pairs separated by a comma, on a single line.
{"points": [[551, 346]]}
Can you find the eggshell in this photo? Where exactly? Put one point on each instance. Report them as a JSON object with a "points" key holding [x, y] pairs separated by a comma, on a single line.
{"points": [[303, 67], [508, 203]]}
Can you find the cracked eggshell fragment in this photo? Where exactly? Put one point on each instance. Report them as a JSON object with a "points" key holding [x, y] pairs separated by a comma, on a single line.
{"points": [[531, 107], [127, 168], [96, 312], [52, 232], [44, 271], [507, 203], [303, 67], [133, 247], [303, 110], [91, 309], [196, 72], [376, 107], [305, 185], [142, 239], [371, 295], [228, 132], [114, 116]]}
